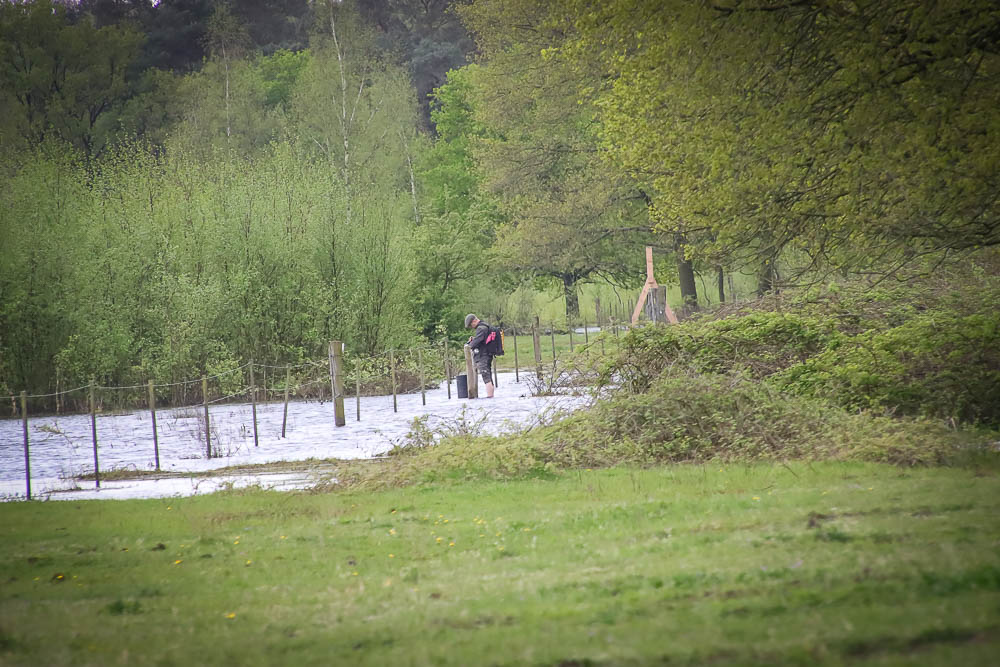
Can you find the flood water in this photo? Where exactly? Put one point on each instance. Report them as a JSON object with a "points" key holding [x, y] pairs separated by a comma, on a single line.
{"points": [[61, 447]]}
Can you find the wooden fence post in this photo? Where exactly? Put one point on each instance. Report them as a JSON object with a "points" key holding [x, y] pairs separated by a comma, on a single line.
{"points": [[537, 344], [586, 332], [392, 374], [152, 413], [253, 404], [337, 381], [552, 333], [571, 337], [517, 371], [27, 457], [284, 414], [357, 394], [208, 425], [420, 367], [447, 368], [93, 432], [471, 380]]}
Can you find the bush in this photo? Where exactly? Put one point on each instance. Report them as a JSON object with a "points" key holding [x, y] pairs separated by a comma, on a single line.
{"points": [[692, 417], [758, 344], [685, 417], [935, 365]]}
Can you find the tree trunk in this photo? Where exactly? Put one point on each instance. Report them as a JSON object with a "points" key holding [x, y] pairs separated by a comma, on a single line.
{"points": [[767, 276], [572, 298], [721, 279], [685, 273]]}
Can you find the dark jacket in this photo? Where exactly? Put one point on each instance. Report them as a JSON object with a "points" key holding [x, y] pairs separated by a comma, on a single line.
{"points": [[479, 337]]}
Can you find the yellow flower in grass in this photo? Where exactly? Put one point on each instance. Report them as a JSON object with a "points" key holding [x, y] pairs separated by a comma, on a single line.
{"points": [[392, 555], [249, 561], [231, 615], [451, 544], [437, 539], [178, 561], [756, 497]]}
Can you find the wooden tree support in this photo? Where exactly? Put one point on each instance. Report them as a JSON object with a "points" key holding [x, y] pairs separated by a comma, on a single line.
{"points": [[659, 308]]}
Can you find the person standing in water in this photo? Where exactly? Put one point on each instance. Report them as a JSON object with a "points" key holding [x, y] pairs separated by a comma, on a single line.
{"points": [[479, 342]]}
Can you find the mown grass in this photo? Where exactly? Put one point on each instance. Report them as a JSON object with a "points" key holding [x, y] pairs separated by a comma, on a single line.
{"points": [[735, 564]]}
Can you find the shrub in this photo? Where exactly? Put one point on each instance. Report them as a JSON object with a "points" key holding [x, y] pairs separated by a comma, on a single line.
{"points": [[758, 344], [684, 417], [935, 365], [693, 417]]}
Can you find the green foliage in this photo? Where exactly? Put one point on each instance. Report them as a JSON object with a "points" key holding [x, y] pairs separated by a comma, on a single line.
{"points": [[695, 417], [59, 78], [760, 343], [799, 135], [279, 73], [926, 348], [935, 365]]}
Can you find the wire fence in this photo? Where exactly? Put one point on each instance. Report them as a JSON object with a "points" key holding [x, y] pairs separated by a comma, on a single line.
{"points": [[188, 411]]}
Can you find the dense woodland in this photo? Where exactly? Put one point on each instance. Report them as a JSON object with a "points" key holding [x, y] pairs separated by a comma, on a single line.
{"points": [[190, 184]]}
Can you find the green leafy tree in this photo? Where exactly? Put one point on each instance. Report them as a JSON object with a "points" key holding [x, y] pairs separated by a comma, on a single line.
{"points": [[848, 135], [572, 217], [62, 79]]}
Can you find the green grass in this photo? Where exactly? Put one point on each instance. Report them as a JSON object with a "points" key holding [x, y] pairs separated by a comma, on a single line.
{"points": [[829, 563], [565, 349]]}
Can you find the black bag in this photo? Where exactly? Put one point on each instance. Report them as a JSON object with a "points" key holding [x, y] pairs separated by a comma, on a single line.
{"points": [[494, 342]]}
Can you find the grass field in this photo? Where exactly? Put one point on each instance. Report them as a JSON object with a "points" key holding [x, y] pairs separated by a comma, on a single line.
{"points": [[567, 347], [828, 563]]}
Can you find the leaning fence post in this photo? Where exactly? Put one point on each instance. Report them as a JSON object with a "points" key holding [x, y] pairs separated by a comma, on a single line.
{"points": [[152, 413], [357, 393], [586, 332], [284, 414], [552, 333], [93, 432], [27, 458], [420, 366], [570, 337], [337, 381], [253, 403], [392, 373], [208, 425]]}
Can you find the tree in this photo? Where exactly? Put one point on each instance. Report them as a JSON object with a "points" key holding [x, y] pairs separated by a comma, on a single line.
{"points": [[853, 135], [572, 217], [62, 79], [226, 37], [357, 112]]}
